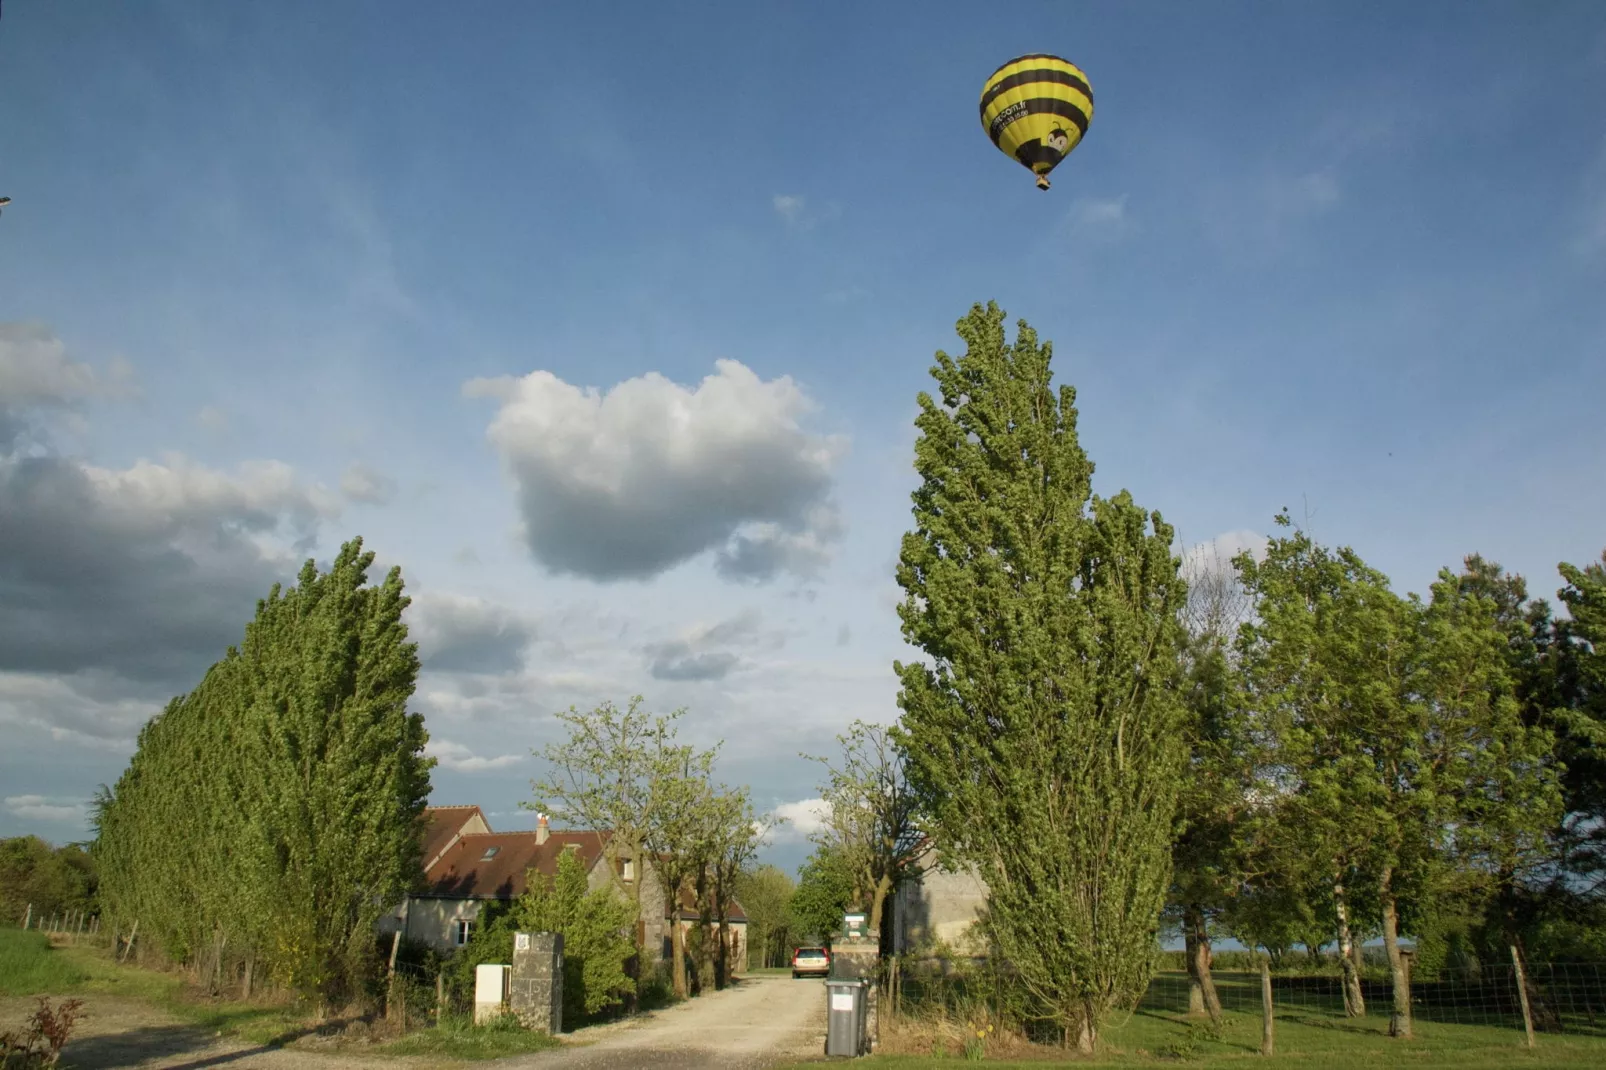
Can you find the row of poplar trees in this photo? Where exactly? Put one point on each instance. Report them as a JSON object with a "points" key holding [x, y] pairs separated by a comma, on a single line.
{"points": [[271, 816], [1287, 750]]}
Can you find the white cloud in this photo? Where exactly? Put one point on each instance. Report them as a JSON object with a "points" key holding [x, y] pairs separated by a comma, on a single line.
{"points": [[698, 655], [361, 483], [88, 709], [35, 371], [790, 208], [795, 211], [1214, 556], [461, 759], [212, 418], [1093, 214], [42, 808], [1308, 194], [456, 633], [628, 483], [801, 819]]}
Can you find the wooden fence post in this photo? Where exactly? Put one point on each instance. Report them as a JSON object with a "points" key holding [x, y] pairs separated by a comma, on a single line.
{"points": [[1267, 1044], [129, 947], [1522, 996], [27, 918]]}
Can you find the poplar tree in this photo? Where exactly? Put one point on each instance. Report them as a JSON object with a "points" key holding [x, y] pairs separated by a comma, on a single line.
{"points": [[275, 812], [1044, 732]]}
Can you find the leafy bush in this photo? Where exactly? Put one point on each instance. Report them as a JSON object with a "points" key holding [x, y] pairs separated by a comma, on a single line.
{"points": [[48, 1030], [596, 942]]}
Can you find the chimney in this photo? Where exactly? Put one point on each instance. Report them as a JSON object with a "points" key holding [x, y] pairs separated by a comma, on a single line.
{"points": [[541, 830]]}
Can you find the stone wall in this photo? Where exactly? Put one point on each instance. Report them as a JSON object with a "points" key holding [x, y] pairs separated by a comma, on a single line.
{"points": [[536, 990]]}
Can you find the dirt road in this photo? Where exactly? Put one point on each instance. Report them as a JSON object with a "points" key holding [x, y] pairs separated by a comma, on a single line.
{"points": [[759, 1022], [762, 1021]]}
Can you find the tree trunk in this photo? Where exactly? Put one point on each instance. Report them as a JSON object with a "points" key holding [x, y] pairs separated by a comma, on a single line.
{"points": [[1201, 985], [250, 966], [1354, 1002], [1400, 1020], [1087, 1030], [1195, 990], [633, 891], [878, 903], [677, 948]]}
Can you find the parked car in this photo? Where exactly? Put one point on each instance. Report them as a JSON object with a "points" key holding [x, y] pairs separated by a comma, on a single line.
{"points": [[811, 961]]}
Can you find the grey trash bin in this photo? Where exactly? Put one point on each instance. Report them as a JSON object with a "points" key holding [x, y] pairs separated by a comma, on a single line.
{"points": [[847, 1018]]}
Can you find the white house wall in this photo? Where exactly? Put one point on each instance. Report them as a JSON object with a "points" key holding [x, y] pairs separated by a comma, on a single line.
{"points": [[940, 907]]}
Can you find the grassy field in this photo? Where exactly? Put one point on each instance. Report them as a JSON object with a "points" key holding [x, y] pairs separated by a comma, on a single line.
{"points": [[29, 966], [1149, 1039], [1310, 1030]]}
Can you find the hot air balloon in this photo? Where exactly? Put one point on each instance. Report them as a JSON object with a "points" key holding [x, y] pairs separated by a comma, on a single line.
{"points": [[1036, 109]]}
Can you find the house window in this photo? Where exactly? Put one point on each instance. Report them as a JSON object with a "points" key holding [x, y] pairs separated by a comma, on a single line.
{"points": [[460, 932], [627, 869], [490, 853]]}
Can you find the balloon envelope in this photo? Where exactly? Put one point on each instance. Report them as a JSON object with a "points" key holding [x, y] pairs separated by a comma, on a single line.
{"points": [[1036, 109]]}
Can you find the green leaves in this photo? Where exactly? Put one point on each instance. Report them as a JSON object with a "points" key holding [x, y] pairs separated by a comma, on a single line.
{"points": [[276, 810], [1044, 733], [871, 827], [595, 927]]}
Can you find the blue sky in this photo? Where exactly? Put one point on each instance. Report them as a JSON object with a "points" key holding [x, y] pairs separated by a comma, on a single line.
{"points": [[279, 274]]}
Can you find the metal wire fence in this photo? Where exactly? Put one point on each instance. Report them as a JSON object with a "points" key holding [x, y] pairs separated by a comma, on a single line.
{"points": [[1562, 998]]}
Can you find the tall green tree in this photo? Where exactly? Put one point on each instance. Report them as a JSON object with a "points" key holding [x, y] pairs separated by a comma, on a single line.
{"points": [[872, 819], [614, 772], [54, 881], [738, 836], [596, 944], [275, 812], [1043, 734], [1206, 869], [766, 893], [1403, 765], [824, 891], [1579, 713]]}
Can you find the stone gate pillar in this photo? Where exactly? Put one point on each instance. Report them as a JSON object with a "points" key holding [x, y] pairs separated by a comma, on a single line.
{"points": [[535, 993]]}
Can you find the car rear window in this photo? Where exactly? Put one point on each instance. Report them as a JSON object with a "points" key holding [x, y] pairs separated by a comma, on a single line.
{"points": [[811, 954]]}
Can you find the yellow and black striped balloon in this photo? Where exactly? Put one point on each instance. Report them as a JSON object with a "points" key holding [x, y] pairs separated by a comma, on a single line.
{"points": [[1036, 109]]}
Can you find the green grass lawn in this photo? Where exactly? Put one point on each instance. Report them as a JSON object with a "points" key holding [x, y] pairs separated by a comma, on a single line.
{"points": [[29, 966], [1311, 1030], [1154, 1040]]}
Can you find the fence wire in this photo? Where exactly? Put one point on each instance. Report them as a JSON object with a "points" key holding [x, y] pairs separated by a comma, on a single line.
{"points": [[1564, 998]]}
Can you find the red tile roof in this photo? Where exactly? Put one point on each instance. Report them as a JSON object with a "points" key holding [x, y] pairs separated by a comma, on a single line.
{"points": [[442, 823], [465, 871]]}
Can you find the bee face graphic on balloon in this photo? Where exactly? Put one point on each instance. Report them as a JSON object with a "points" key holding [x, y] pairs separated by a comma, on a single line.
{"points": [[1059, 140]]}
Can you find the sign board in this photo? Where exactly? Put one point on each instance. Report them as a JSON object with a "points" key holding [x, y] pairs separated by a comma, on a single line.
{"points": [[853, 923], [521, 941], [842, 1001]]}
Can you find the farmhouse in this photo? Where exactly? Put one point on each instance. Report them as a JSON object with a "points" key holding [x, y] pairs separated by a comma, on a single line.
{"points": [[467, 865], [939, 907]]}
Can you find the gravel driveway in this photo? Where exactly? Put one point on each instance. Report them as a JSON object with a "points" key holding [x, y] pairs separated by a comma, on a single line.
{"points": [[759, 1022]]}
